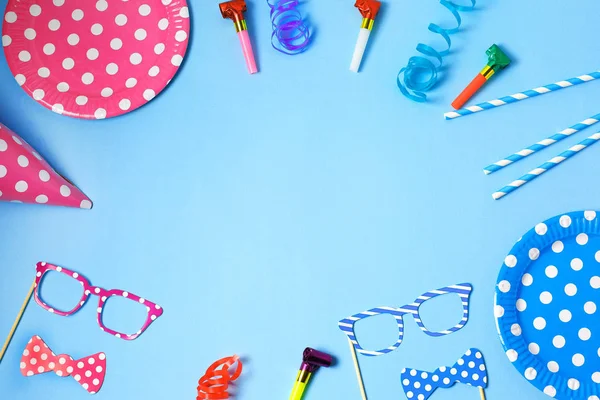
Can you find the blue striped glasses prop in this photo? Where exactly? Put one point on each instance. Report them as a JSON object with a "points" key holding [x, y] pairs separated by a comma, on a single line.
{"points": [[463, 290]]}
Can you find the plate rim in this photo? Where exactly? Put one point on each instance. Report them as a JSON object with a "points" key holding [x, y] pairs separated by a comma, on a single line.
{"points": [[184, 23], [588, 222]]}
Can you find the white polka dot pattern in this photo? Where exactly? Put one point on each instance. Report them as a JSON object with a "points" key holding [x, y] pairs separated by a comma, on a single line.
{"points": [[37, 358], [153, 310], [547, 292], [85, 47], [26, 177], [469, 369]]}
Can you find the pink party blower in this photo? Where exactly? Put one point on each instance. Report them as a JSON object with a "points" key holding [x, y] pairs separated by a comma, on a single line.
{"points": [[234, 10]]}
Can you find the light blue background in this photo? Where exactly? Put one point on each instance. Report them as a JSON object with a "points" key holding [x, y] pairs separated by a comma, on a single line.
{"points": [[259, 210]]}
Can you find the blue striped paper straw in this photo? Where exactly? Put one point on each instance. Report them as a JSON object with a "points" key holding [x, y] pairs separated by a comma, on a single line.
{"points": [[522, 95], [546, 166], [565, 133]]}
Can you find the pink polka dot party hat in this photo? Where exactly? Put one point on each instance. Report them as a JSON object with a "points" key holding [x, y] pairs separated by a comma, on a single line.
{"points": [[25, 177]]}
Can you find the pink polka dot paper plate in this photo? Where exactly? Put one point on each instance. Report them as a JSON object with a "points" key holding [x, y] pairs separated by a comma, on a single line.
{"points": [[94, 58]]}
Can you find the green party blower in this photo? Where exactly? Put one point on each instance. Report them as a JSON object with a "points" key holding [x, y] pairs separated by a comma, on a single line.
{"points": [[311, 360], [497, 60]]}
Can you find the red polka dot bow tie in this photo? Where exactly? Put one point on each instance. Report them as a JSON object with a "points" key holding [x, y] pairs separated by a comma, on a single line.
{"points": [[38, 358]]}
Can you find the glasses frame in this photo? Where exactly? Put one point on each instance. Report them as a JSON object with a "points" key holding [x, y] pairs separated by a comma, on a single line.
{"points": [[153, 309], [462, 289]]}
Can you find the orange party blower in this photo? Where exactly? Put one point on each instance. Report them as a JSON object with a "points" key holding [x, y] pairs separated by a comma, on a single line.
{"points": [[497, 60]]}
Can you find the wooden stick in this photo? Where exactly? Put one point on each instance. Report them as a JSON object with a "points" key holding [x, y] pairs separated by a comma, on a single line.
{"points": [[482, 393], [17, 320], [357, 368]]}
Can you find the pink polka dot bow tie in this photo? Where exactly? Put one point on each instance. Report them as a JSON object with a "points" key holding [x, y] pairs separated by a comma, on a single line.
{"points": [[469, 369], [38, 358]]}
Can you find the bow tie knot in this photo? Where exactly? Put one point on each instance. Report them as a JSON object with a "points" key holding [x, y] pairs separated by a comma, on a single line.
{"points": [[469, 369], [38, 359]]}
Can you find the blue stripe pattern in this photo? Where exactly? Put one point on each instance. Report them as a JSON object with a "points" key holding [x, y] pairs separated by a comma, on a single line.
{"points": [[347, 324], [546, 166], [522, 95], [565, 133]]}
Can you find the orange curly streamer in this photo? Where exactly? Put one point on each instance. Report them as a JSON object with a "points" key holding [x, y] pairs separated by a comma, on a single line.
{"points": [[216, 380]]}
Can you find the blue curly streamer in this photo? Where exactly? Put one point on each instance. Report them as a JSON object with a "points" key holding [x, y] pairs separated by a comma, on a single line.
{"points": [[421, 74]]}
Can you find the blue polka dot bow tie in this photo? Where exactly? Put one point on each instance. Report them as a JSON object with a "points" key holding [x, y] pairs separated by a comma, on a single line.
{"points": [[469, 369]]}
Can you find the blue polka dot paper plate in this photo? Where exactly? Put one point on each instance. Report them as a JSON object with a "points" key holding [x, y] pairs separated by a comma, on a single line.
{"points": [[546, 306]]}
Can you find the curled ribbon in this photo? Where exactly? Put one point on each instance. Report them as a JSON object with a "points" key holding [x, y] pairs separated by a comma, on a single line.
{"points": [[215, 382], [421, 74], [290, 33]]}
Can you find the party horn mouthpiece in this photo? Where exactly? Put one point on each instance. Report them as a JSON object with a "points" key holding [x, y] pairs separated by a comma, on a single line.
{"points": [[234, 10], [315, 359], [311, 360], [368, 9], [497, 61]]}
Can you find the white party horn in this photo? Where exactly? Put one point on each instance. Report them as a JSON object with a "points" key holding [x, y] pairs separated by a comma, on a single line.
{"points": [[369, 10]]}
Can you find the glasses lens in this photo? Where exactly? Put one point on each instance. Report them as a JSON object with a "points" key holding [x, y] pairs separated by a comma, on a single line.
{"points": [[124, 315], [59, 291], [377, 332], [442, 312]]}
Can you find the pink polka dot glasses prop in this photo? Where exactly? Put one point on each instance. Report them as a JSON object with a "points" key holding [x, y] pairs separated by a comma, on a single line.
{"points": [[98, 58], [154, 310]]}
